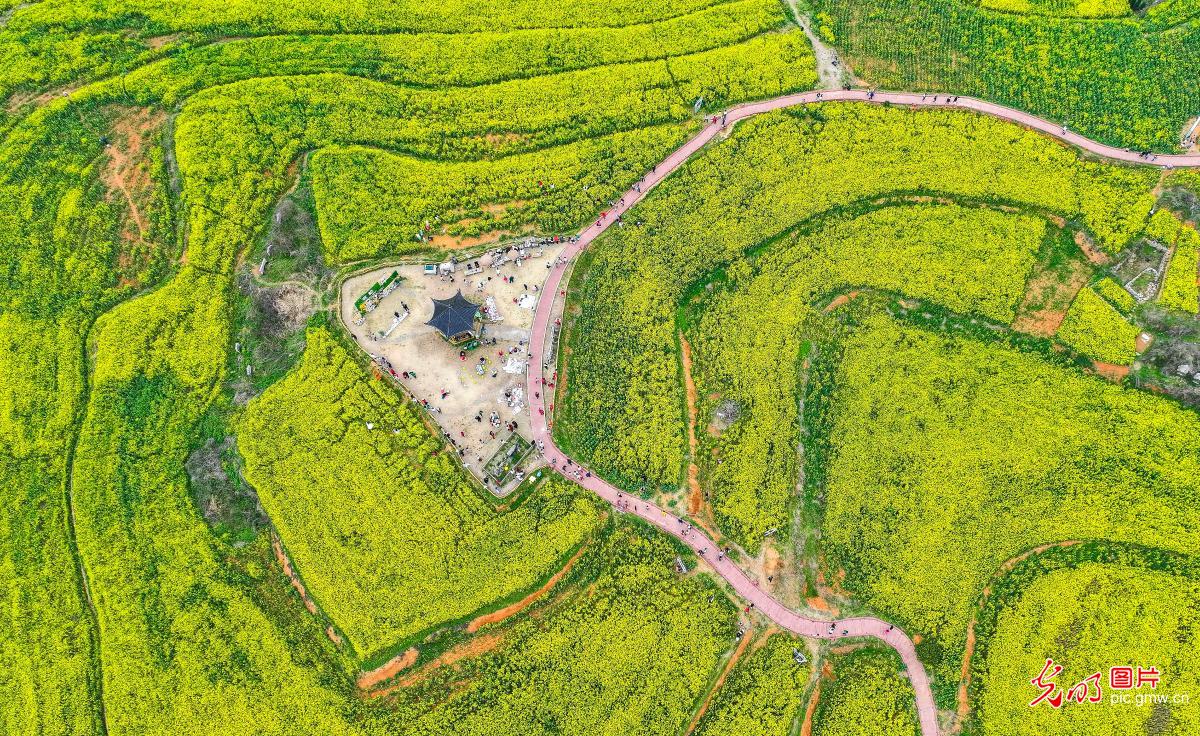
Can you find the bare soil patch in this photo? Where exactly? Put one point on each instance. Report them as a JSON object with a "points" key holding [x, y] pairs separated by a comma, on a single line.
{"points": [[1111, 371], [1047, 297], [806, 728], [499, 208], [476, 647], [288, 570], [772, 565], [499, 140], [157, 42], [840, 300], [1094, 254], [818, 603], [446, 241], [126, 170], [35, 99], [394, 666]]}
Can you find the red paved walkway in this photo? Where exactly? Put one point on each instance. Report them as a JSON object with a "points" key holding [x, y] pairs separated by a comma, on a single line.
{"points": [[546, 313]]}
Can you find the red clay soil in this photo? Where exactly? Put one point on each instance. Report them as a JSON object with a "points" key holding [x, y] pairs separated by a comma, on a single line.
{"points": [[125, 171], [292, 576], [1094, 254], [840, 301], [963, 708], [1111, 371], [443, 241], [773, 564], [733, 660], [476, 647], [806, 729], [400, 662], [1046, 287], [527, 601], [817, 603]]}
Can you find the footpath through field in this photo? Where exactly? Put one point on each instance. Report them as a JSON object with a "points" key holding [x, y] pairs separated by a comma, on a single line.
{"points": [[547, 313]]}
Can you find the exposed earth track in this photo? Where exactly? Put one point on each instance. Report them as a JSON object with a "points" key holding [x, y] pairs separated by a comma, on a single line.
{"points": [[734, 575]]}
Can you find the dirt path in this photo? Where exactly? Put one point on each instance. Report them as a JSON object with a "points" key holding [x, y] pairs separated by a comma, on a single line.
{"points": [[831, 70], [695, 502], [806, 728], [124, 169], [394, 666], [527, 601], [476, 647], [740, 650], [288, 570], [1111, 371]]}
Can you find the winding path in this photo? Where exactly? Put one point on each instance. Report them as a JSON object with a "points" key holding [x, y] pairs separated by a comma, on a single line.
{"points": [[547, 313]]}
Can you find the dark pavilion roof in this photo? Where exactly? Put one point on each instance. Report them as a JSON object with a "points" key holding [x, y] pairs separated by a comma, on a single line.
{"points": [[453, 316]]}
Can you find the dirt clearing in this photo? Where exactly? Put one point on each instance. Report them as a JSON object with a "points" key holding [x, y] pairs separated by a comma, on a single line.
{"points": [[126, 172], [1047, 298]]}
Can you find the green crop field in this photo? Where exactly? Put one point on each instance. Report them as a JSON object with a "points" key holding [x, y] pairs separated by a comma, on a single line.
{"points": [[632, 653], [1096, 329], [968, 259], [1131, 81], [1088, 619], [125, 206], [1179, 286], [1013, 451], [877, 352], [763, 695], [624, 410], [385, 529]]}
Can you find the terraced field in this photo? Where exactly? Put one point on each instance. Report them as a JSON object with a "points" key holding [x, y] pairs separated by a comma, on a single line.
{"points": [[223, 519], [1125, 78], [128, 204]]}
